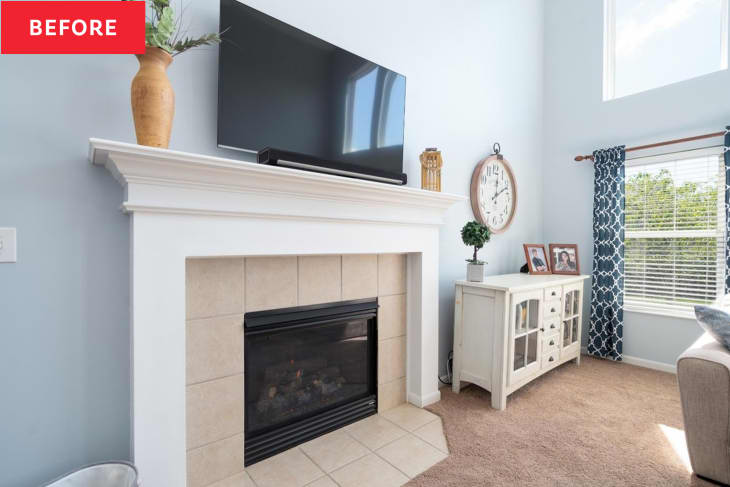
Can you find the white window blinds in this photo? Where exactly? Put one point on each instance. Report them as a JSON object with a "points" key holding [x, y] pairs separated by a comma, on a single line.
{"points": [[675, 228]]}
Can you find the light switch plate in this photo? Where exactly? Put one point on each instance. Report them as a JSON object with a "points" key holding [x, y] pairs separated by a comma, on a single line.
{"points": [[8, 245]]}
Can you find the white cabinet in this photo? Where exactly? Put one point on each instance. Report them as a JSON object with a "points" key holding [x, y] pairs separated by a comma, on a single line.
{"points": [[510, 329]]}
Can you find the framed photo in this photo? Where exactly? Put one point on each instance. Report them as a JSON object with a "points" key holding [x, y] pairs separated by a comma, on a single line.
{"points": [[564, 259], [537, 261]]}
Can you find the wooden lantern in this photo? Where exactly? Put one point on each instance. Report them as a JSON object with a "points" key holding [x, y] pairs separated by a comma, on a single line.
{"points": [[431, 163]]}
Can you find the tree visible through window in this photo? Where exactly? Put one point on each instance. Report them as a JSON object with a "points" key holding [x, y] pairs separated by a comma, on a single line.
{"points": [[674, 254]]}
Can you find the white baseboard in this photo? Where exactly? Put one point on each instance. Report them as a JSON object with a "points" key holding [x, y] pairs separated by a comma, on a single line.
{"points": [[423, 401], [641, 362], [650, 364]]}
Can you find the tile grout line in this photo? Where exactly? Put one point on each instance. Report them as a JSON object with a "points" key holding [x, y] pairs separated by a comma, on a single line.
{"points": [[231, 476], [418, 438], [393, 441], [347, 433], [250, 477], [214, 379], [386, 461], [188, 450], [425, 440], [383, 446], [299, 447], [389, 295], [213, 317], [369, 450]]}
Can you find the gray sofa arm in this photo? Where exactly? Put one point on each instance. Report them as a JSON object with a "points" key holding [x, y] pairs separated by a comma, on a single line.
{"points": [[703, 371]]}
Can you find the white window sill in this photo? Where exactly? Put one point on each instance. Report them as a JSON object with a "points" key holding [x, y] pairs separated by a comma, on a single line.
{"points": [[684, 313]]}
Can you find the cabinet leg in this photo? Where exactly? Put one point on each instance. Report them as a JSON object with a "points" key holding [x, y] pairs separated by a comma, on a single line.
{"points": [[455, 384], [499, 400], [577, 360]]}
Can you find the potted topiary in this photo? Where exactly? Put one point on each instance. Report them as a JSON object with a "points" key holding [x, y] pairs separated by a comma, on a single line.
{"points": [[153, 100], [474, 234]]}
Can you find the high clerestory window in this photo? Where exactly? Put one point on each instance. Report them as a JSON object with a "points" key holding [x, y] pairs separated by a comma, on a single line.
{"points": [[652, 43]]}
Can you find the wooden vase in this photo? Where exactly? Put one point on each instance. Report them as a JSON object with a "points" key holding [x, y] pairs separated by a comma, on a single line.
{"points": [[153, 99]]}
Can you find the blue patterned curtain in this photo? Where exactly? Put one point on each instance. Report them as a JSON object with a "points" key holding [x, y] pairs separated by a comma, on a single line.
{"points": [[727, 209], [605, 336]]}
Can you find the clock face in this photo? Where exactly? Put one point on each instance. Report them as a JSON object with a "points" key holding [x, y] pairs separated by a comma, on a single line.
{"points": [[494, 193]]}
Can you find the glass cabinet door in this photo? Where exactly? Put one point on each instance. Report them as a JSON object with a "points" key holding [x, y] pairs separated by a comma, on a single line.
{"points": [[571, 317], [525, 334]]}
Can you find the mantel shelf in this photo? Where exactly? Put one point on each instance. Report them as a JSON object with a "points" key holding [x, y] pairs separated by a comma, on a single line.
{"points": [[163, 180]]}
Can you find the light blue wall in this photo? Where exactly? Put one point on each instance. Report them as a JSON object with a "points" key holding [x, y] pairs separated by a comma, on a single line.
{"points": [[473, 78], [577, 121]]}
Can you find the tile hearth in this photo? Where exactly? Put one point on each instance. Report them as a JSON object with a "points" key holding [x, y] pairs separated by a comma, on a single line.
{"points": [[384, 450]]}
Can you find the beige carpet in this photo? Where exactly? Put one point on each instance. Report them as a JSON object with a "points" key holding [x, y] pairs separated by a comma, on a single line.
{"points": [[597, 424]]}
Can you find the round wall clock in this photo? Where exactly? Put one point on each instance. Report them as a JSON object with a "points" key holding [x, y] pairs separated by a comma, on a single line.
{"points": [[494, 192]]}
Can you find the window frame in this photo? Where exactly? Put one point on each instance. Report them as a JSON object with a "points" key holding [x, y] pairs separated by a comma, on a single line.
{"points": [[609, 49], [672, 309]]}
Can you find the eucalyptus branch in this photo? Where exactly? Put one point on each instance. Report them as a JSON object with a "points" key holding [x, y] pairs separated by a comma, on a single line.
{"points": [[165, 31]]}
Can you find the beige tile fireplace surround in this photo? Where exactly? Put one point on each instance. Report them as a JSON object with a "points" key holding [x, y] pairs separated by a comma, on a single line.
{"points": [[219, 215], [220, 290]]}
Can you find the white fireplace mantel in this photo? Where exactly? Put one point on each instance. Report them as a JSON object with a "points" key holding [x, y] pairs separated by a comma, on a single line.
{"points": [[163, 180], [188, 205]]}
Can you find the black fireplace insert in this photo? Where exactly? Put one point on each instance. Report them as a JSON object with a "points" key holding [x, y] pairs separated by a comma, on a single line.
{"points": [[308, 370]]}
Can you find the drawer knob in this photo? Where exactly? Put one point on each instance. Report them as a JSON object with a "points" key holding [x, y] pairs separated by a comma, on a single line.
{"points": [[554, 293], [552, 310], [551, 359], [552, 327], [552, 342]]}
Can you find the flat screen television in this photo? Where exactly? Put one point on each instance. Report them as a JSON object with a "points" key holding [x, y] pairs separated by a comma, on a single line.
{"points": [[314, 105]]}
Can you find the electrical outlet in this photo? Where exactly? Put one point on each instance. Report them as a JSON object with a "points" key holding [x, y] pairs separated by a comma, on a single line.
{"points": [[8, 245]]}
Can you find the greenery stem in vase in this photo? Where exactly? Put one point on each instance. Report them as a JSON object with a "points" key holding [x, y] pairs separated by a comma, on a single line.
{"points": [[162, 30]]}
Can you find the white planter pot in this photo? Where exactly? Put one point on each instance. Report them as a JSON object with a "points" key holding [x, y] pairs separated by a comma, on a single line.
{"points": [[475, 272]]}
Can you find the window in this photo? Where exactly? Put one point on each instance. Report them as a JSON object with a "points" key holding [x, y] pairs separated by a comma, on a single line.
{"points": [[654, 43], [675, 231]]}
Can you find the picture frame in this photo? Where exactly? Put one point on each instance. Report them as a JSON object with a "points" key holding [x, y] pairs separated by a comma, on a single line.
{"points": [[564, 259], [537, 259]]}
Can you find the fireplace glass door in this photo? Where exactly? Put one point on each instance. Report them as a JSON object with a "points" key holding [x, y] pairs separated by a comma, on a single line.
{"points": [[308, 370]]}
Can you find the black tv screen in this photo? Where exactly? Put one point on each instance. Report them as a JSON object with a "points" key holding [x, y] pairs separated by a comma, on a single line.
{"points": [[281, 88]]}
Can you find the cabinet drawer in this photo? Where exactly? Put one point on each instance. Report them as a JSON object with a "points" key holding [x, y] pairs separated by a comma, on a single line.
{"points": [[551, 325], [550, 359], [555, 292], [552, 308], [550, 343]]}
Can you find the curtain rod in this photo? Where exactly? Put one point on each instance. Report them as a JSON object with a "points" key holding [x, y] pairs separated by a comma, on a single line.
{"points": [[659, 144]]}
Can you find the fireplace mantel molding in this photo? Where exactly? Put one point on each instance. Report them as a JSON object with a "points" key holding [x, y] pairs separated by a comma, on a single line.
{"points": [[162, 180], [184, 205]]}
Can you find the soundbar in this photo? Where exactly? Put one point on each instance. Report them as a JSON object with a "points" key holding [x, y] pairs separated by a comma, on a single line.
{"points": [[276, 157]]}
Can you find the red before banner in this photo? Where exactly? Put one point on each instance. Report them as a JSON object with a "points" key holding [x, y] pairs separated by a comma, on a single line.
{"points": [[76, 27]]}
